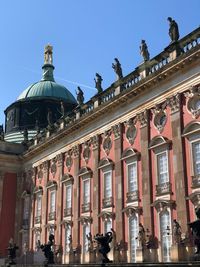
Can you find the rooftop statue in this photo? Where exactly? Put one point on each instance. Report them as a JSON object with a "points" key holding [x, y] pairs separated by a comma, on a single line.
{"points": [[80, 96], [48, 54], [196, 230], [173, 30], [144, 51], [117, 68], [98, 82]]}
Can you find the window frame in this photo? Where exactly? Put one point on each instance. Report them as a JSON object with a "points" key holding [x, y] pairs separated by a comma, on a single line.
{"points": [[157, 154]]}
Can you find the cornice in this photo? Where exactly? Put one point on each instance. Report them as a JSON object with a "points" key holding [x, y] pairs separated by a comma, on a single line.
{"points": [[130, 94]]}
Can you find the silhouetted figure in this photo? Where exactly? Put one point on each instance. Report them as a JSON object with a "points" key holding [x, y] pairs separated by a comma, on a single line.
{"points": [[196, 230], [98, 82], [173, 30], [12, 251], [104, 245], [80, 96], [117, 68], [144, 51], [46, 248], [62, 109]]}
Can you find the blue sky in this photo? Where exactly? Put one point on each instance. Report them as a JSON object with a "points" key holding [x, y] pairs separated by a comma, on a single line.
{"points": [[86, 36]]}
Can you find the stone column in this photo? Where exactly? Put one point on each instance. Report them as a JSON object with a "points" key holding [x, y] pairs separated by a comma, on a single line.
{"points": [[95, 148], [118, 182], [76, 200], [145, 164], [59, 200], [178, 162], [44, 202]]}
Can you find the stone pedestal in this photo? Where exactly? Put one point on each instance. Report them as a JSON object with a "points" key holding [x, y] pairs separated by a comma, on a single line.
{"points": [[178, 253], [150, 255], [139, 254], [92, 256]]}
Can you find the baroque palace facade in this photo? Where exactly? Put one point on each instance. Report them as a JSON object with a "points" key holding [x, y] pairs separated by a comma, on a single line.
{"points": [[127, 159]]}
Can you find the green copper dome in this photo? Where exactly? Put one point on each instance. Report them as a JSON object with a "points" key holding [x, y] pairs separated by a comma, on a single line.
{"points": [[47, 87], [44, 89]]}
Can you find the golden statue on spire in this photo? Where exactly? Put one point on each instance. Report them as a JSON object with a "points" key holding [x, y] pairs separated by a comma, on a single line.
{"points": [[48, 54]]}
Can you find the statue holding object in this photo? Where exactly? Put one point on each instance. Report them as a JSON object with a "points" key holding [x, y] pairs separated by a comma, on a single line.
{"points": [[103, 241], [46, 248]]}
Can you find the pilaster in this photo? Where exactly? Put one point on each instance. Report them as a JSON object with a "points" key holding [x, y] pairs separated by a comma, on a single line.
{"points": [[76, 199], [59, 203], [145, 165], [118, 183], [178, 161], [44, 203], [95, 148]]}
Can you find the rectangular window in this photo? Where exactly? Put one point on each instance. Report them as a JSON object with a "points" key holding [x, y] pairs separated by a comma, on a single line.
{"points": [[86, 191], [52, 201], [196, 157], [107, 184], [162, 168], [67, 238], [86, 231], [38, 205], [107, 226], [132, 177], [68, 196]]}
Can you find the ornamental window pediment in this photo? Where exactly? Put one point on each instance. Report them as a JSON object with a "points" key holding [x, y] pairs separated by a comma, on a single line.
{"points": [[158, 142], [191, 128], [106, 215], [195, 198], [38, 190], [105, 162], [131, 210], [51, 184], [85, 171], [130, 153], [67, 178], [163, 204]]}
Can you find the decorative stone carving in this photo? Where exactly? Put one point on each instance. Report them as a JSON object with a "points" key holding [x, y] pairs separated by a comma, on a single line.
{"points": [[193, 101], [75, 151], [46, 165], [107, 142], [160, 117], [95, 141], [131, 210], [174, 103], [40, 172], [86, 152], [53, 167], [68, 160], [116, 129], [131, 131], [59, 159], [85, 219], [143, 118]]}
